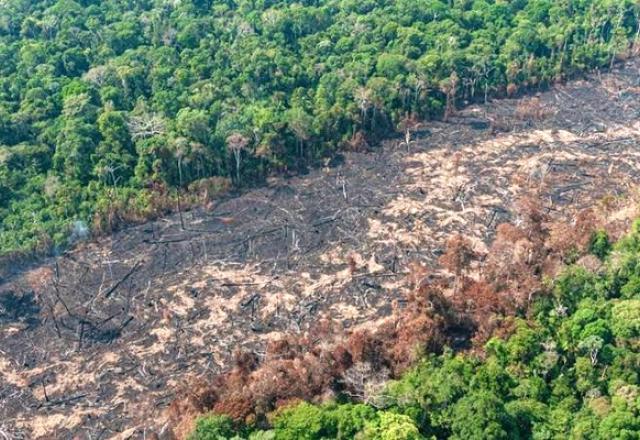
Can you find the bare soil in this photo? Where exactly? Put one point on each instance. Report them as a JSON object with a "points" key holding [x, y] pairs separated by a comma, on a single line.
{"points": [[96, 343]]}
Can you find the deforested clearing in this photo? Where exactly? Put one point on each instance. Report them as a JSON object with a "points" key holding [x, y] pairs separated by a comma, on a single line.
{"points": [[103, 338]]}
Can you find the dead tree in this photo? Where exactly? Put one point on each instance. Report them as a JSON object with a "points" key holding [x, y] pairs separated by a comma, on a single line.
{"points": [[366, 384], [457, 258], [146, 125], [408, 125], [449, 87], [237, 143]]}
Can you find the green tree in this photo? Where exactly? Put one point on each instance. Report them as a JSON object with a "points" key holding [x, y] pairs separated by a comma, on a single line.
{"points": [[75, 146], [115, 156], [214, 427], [482, 415], [390, 426], [303, 422]]}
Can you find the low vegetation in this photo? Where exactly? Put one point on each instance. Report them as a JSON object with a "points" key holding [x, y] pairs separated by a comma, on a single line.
{"points": [[108, 110]]}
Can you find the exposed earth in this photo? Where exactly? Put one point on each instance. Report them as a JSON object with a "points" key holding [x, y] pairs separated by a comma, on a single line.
{"points": [[97, 342]]}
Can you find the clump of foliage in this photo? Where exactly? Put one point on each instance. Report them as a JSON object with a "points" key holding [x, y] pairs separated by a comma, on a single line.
{"points": [[599, 244], [214, 427], [107, 108], [571, 370]]}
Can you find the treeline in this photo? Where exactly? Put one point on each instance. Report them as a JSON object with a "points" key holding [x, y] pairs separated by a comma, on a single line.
{"points": [[107, 108], [570, 369]]}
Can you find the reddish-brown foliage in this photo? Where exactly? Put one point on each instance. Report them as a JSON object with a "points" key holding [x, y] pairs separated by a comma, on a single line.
{"points": [[566, 238], [483, 307], [458, 255], [532, 218]]}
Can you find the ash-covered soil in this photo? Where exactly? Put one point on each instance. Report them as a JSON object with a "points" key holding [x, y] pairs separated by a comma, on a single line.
{"points": [[97, 343]]}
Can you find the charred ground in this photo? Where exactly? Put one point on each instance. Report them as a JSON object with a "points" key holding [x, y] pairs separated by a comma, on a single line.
{"points": [[98, 341]]}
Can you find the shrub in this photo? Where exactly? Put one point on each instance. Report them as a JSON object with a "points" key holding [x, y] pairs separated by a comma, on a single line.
{"points": [[599, 244]]}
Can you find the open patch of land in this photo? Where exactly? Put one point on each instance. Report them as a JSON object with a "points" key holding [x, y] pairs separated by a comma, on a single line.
{"points": [[97, 342]]}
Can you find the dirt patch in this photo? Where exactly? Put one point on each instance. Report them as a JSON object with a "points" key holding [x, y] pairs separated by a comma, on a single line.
{"points": [[97, 342]]}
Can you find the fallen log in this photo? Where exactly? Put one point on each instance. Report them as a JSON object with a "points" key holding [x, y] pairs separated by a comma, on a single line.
{"points": [[122, 280]]}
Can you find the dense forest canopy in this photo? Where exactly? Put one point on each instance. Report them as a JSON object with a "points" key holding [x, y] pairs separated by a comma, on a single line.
{"points": [[571, 370], [107, 108]]}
